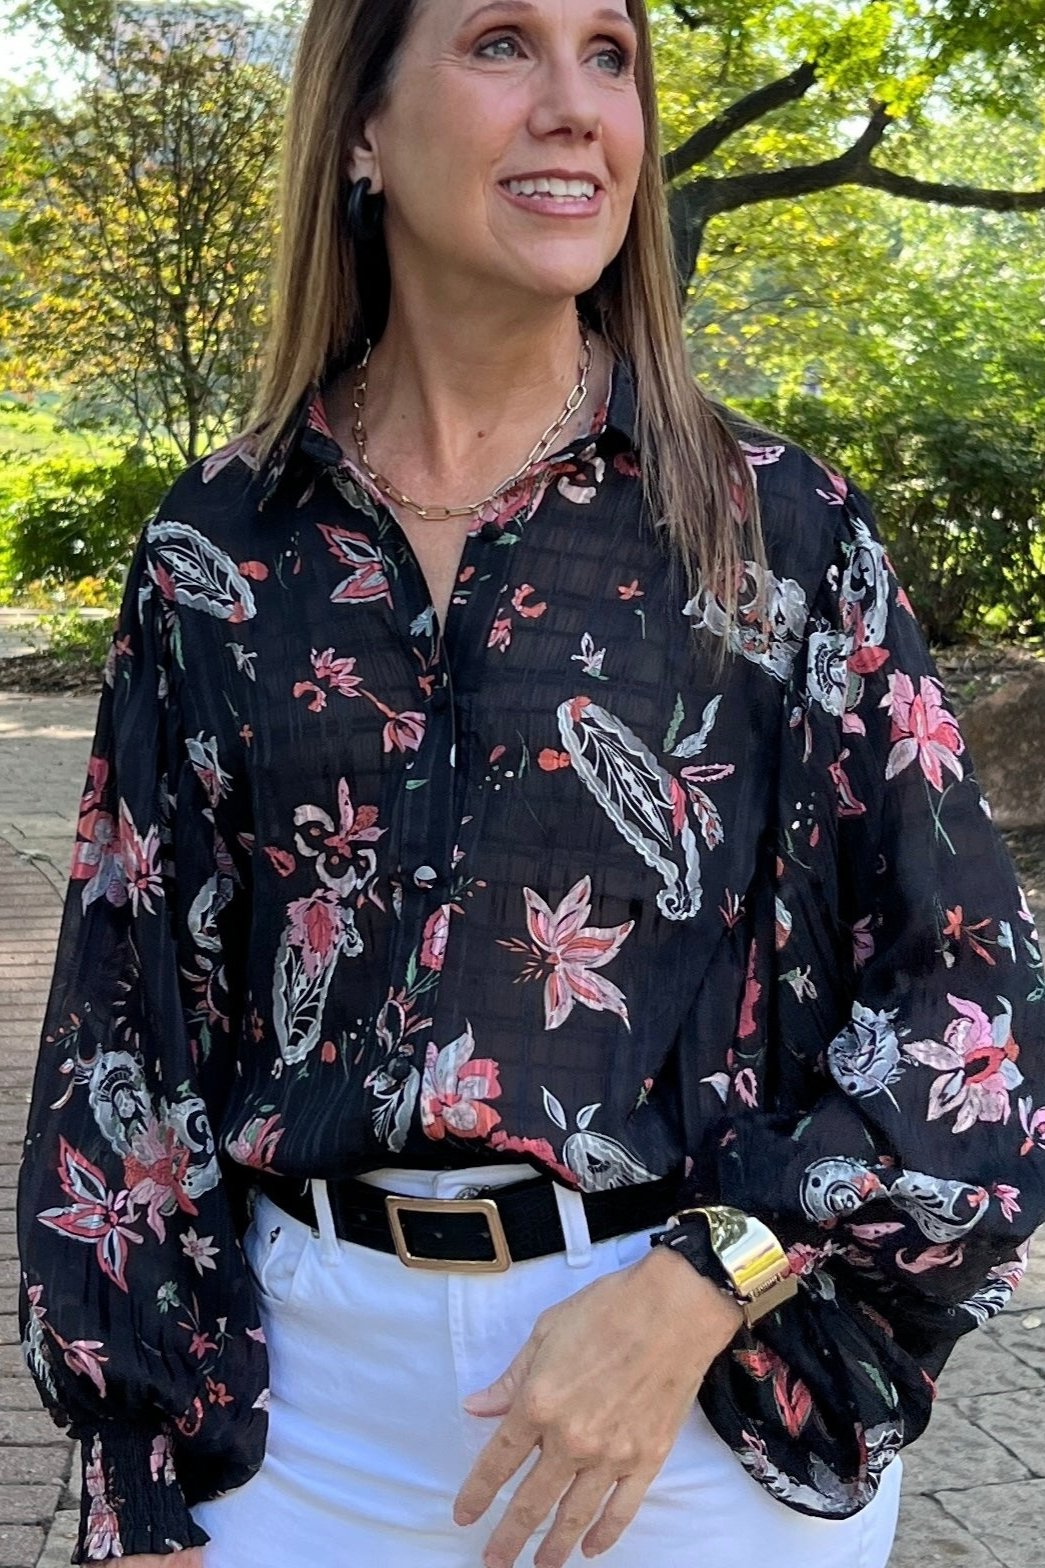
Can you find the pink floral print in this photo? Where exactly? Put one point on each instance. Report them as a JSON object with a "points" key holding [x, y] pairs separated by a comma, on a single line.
{"points": [[922, 730], [455, 1089], [571, 952]]}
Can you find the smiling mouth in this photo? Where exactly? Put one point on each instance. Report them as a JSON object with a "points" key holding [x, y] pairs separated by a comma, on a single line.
{"points": [[550, 188]]}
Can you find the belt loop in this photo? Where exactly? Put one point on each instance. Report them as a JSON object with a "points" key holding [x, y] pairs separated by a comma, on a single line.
{"points": [[574, 1225], [328, 1247]]}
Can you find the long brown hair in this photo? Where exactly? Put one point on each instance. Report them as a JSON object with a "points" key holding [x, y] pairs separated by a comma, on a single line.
{"points": [[695, 477]]}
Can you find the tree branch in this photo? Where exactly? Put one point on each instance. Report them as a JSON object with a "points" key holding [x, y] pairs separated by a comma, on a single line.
{"points": [[746, 111], [684, 15], [950, 195], [691, 206], [803, 179]]}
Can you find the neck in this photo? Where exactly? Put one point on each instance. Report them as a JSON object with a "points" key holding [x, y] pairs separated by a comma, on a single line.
{"points": [[452, 401]]}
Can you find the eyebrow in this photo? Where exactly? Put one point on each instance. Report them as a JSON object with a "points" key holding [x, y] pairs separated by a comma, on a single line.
{"points": [[525, 8]]}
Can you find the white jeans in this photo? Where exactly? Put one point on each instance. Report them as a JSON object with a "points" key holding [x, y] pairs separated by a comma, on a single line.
{"points": [[368, 1444]]}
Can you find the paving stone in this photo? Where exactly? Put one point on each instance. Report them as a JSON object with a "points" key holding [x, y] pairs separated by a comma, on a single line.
{"points": [[60, 1540], [1026, 1343], [929, 1537], [1007, 1519], [956, 1453], [12, 1363], [17, 1393], [37, 1466], [1031, 1292], [1016, 1420], [28, 1504], [981, 1364], [20, 1545], [26, 1426]]}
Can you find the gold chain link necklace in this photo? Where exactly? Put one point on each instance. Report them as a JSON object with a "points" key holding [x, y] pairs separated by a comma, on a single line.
{"points": [[573, 403]]}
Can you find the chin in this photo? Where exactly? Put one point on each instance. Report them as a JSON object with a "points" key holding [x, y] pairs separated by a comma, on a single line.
{"points": [[559, 282]]}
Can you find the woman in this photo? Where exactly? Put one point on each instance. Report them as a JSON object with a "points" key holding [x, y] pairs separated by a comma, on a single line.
{"points": [[451, 835]]}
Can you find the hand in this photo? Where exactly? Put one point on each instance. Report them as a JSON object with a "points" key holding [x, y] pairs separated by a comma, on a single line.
{"points": [[191, 1557], [601, 1388]]}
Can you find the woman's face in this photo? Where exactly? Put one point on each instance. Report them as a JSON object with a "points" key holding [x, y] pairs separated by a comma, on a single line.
{"points": [[490, 92]]}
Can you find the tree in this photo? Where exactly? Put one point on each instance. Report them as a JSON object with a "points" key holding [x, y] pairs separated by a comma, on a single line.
{"points": [[145, 223], [747, 132]]}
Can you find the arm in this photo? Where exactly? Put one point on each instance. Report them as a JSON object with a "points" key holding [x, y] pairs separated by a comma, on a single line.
{"points": [[136, 1309], [906, 1182]]}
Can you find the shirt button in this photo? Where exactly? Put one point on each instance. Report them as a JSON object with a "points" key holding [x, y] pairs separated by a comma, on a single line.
{"points": [[440, 700], [489, 533], [426, 876]]}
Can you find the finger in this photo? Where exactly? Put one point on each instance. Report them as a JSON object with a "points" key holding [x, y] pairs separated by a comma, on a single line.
{"points": [[574, 1514], [621, 1507], [495, 1399], [534, 1499], [506, 1450]]}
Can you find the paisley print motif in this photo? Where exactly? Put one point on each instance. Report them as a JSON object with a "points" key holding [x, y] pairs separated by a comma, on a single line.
{"points": [[193, 571], [645, 804]]}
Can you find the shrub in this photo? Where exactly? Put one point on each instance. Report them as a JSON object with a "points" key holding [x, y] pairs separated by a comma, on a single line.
{"points": [[76, 640], [66, 521]]}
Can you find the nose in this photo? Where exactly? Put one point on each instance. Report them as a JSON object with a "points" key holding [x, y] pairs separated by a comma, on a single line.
{"points": [[565, 100]]}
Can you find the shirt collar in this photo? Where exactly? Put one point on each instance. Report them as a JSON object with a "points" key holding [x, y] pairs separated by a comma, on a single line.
{"points": [[305, 435]]}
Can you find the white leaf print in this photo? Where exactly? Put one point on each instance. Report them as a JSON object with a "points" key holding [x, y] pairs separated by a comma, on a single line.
{"points": [[554, 1109], [203, 914], [585, 1115], [599, 1162], [693, 745], [941, 1209], [865, 1057], [203, 577], [298, 1001], [639, 797], [720, 1083]]}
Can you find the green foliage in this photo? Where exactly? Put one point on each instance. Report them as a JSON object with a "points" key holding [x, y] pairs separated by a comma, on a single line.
{"points": [[76, 642], [64, 520], [138, 225], [961, 500]]}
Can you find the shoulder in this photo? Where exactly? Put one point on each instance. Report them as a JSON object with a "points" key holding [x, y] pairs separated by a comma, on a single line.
{"points": [[199, 547], [810, 509], [218, 494]]}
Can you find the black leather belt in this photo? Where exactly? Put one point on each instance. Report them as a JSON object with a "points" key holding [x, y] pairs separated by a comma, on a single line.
{"points": [[485, 1233]]}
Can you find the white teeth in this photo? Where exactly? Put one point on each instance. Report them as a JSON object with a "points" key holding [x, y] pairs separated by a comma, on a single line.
{"points": [[571, 190]]}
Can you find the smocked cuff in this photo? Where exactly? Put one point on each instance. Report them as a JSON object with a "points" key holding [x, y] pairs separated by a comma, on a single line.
{"points": [[131, 1501]]}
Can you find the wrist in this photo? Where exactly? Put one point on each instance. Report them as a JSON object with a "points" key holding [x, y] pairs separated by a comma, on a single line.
{"points": [[674, 1278], [737, 1251]]}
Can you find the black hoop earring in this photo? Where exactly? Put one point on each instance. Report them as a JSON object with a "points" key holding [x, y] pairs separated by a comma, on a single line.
{"points": [[365, 213]]}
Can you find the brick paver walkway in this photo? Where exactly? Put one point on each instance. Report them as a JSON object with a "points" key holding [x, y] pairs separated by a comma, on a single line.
{"points": [[34, 1456], [974, 1487]]}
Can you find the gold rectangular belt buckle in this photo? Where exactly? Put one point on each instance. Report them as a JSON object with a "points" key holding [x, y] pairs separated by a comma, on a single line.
{"points": [[501, 1259]]}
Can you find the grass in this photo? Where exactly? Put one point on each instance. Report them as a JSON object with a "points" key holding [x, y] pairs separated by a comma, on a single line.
{"points": [[34, 431]]}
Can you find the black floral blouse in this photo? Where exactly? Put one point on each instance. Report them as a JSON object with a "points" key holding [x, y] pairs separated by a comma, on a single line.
{"points": [[352, 889]]}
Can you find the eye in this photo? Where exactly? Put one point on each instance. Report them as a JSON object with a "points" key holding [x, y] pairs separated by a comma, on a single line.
{"points": [[622, 57], [493, 42]]}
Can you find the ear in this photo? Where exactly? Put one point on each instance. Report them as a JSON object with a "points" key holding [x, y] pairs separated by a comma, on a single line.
{"points": [[363, 161]]}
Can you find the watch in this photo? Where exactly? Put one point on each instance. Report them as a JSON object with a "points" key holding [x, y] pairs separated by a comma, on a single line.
{"points": [[752, 1265]]}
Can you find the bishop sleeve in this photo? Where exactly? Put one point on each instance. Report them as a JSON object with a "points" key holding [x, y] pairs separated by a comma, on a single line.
{"points": [[136, 1309], [898, 1146]]}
